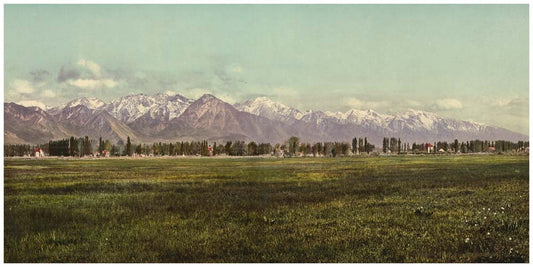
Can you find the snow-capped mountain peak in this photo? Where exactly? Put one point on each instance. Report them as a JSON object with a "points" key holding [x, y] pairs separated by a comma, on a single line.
{"points": [[173, 117], [161, 107], [89, 102], [266, 107], [419, 119], [32, 103]]}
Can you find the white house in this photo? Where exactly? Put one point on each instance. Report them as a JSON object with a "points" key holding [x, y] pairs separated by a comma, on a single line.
{"points": [[38, 152]]}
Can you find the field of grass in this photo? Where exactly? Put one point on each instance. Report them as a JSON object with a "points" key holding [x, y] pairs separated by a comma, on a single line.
{"points": [[380, 209]]}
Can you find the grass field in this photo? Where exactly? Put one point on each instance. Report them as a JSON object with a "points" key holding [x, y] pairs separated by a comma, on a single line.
{"points": [[380, 209]]}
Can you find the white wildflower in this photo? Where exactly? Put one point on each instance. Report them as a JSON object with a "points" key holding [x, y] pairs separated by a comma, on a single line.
{"points": [[467, 240], [510, 238], [488, 233]]}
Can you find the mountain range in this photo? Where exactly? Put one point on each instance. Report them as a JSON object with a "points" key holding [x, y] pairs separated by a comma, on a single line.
{"points": [[165, 118]]}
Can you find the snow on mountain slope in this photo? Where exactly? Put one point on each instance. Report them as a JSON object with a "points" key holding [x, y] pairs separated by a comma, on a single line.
{"points": [[165, 116], [265, 107], [33, 103], [160, 107], [88, 102], [318, 117], [417, 120], [368, 118], [91, 102], [413, 124]]}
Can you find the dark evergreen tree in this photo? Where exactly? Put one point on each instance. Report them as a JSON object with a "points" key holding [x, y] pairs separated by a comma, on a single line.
{"points": [[128, 147], [293, 144], [87, 150], [399, 145]]}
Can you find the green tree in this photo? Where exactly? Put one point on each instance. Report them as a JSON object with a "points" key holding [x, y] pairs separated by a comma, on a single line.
{"points": [[293, 144], [128, 147], [107, 146], [399, 145], [227, 148], [87, 146], [100, 145], [73, 146], [252, 149]]}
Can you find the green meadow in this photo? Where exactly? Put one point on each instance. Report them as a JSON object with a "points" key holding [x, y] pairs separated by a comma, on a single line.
{"points": [[353, 209]]}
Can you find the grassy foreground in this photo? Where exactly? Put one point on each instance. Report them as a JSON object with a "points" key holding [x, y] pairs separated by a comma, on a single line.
{"points": [[388, 209]]}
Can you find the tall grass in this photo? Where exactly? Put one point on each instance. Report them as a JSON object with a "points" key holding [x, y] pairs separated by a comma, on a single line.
{"points": [[394, 209]]}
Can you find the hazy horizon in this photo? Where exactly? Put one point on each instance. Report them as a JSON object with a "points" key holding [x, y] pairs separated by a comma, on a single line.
{"points": [[468, 62]]}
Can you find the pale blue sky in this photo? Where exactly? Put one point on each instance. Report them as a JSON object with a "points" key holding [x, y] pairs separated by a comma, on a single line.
{"points": [[463, 61]]}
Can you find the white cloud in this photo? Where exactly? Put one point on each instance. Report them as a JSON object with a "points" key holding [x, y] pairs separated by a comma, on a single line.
{"points": [[32, 103], [354, 102], [413, 103], [92, 83], [48, 93], [140, 75], [196, 93], [93, 67], [505, 101], [227, 98], [22, 86], [170, 93], [284, 91], [236, 68], [448, 104]]}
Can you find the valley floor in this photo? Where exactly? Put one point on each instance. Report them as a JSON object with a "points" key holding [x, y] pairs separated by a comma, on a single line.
{"points": [[355, 209]]}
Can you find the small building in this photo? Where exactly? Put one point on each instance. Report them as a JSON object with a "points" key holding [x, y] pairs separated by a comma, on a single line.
{"points": [[429, 148], [210, 150], [492, 149], [105, 153], [38, 152]]}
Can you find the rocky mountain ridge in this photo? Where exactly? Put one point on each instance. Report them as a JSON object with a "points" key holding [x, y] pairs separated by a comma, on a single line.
{"points": [[163, 117]]}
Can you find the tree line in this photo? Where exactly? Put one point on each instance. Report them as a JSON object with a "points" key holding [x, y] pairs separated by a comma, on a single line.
{"points": [[83, 146]]}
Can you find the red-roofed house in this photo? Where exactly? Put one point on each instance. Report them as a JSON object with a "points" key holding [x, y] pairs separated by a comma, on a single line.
{"points": [[38, 152], [429, 148]]}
